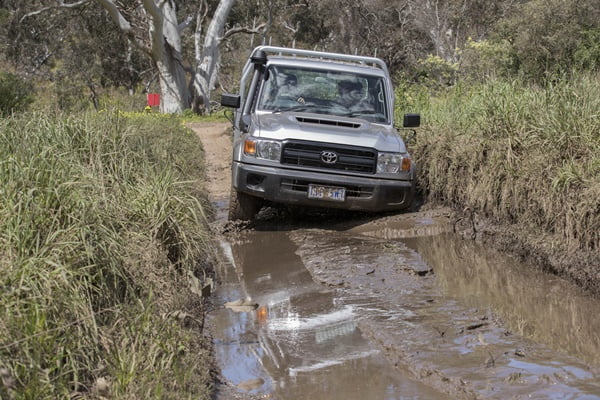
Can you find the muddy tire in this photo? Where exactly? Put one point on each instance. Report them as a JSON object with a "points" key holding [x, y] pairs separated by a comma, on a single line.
{"points": [[415, 203], [242, 206]]}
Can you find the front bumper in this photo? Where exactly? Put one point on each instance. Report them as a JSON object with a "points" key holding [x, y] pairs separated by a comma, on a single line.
{"points": [[289, 186]]}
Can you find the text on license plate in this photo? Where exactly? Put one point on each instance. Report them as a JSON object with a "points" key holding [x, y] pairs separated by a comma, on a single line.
{"points": [[326, 193]]}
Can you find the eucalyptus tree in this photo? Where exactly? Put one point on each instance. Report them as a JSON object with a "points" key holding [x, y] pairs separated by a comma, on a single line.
{"points": [[163, 45], [156, 28]]}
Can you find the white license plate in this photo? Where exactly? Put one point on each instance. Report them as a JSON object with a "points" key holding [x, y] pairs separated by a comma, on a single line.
{"points": [[326, 193]]}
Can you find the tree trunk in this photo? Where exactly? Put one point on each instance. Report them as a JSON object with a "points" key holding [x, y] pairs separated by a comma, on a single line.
{"points": [[165, 50], [166, 54], [174, 93], [207, 61]]}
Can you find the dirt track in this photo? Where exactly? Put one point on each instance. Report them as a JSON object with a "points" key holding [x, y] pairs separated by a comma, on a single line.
{"points": [[453, 316]]}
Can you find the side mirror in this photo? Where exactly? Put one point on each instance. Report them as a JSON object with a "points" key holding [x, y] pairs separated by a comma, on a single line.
{"points": [[230, 100], [412, 120]]}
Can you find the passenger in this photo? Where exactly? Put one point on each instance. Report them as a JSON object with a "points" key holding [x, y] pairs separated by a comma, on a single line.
{"points": [[351, 96]]}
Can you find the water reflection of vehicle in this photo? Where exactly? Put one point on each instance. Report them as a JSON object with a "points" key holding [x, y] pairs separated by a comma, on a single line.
{"points": [[300, 325], [301, 341]]}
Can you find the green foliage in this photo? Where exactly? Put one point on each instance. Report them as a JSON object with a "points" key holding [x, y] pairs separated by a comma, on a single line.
{"points": [[70, 96], [101, 223], [73, 51], [121, 99], [487, 58], [435, 72], [4, 15], [410, 98], [15, 94], [548, 36], [587, 54], [518, 153], [81, 52], [218, 115], [4, 23]]}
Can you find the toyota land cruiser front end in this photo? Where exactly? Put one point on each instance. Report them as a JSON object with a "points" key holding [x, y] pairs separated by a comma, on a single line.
{"points": [[316, 129]]}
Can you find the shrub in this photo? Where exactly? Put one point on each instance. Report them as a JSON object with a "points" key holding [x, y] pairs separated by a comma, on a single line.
{"points": [[435, 72], [15, 94], [486, 58], [546, 35], [587, 54]]}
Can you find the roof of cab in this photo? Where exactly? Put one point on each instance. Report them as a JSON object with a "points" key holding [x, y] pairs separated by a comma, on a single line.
{"points": [[337, 66]]}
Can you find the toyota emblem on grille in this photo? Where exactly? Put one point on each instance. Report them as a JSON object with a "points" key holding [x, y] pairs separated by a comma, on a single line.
{"points": [[329, 157]]}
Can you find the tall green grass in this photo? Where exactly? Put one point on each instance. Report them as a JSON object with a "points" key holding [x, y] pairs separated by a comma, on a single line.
{"points": [[517, 153], [101, 223]]}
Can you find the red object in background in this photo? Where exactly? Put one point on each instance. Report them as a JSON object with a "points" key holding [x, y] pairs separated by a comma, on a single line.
{"points": [[153, 99]]}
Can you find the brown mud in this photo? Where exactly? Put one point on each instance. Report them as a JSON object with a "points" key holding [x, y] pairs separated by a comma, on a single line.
{"points": [[389, 306], [549, 254], [465, 320]]}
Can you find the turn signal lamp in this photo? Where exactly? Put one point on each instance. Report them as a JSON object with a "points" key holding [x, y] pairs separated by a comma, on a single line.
{"points": [[262, 314], [250, 147], [405, 164]]}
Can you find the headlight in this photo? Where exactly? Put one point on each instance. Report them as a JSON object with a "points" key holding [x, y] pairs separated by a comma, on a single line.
{"points": [[265, 149], [391, 163], [268, 150]]}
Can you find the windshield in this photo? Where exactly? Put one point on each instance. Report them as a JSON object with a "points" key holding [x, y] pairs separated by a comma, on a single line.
{"points": [[323, 91]]}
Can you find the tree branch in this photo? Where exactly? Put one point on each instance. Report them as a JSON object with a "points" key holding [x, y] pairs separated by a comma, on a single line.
{"points": [[243, 29], [185, 24], [156, 30], [122, 23], [61, 4], [200, 16], [154, 10], [291, 28]]}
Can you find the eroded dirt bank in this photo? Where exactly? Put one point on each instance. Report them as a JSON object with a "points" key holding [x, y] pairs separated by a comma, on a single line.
{"points": [[465, 321]]}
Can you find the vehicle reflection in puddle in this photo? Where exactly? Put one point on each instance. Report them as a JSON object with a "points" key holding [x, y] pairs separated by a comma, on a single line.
{"points": [[300, 342]]}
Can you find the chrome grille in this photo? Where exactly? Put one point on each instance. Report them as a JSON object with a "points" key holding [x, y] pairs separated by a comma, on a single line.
{"points": [[349, 158]]}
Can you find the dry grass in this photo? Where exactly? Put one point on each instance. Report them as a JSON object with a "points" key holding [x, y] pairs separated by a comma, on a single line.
{"points": [[101, 221], [517, 154]]}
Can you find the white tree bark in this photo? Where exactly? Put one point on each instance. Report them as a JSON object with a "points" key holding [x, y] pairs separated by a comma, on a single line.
{"points": [[435, 19], [165, 50], [166, 54], [207, 61], [163, 45]]}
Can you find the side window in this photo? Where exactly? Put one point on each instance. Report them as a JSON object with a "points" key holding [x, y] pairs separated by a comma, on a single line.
{"points": [[269, 90], [379, 97]]}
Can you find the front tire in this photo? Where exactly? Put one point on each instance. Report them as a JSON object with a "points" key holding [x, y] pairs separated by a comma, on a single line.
{"points": [[242, 206]]}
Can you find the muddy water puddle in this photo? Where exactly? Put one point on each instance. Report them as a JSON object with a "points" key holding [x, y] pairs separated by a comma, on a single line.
{"points": [[397, 310], [294, 339]]}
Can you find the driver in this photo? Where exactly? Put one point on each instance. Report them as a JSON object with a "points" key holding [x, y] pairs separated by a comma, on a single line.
{"points": [[290, 86]]}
